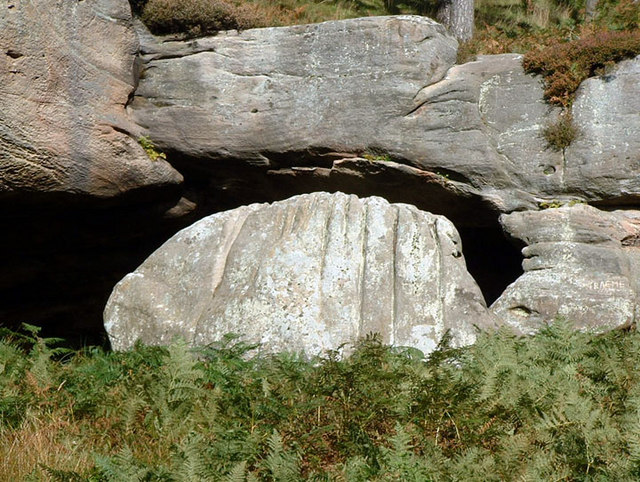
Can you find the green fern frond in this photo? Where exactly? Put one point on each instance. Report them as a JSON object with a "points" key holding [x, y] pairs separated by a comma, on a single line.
{"points": [[283, 465], [121, 467], [191, 461], [237, 474]]}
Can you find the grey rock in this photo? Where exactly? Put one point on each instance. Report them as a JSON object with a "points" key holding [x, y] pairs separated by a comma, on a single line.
{"points": [[312, 96], [66, 72], [607, 151], [309, 273], [265, 92], [581, 264], [309, 96]]}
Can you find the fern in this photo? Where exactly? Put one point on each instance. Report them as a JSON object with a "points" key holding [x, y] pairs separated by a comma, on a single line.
{"points": [[237, 474], [191, 462], [282, 465], [123, 466], [560, 405], [63, 475], [401, 464]]}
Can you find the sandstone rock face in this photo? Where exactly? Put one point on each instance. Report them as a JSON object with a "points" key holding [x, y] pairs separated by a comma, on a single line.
{"points": [[580, 263], [275, 110], [607, 152], [308, 273], [66, 72], [309, 96], [265, 93]]}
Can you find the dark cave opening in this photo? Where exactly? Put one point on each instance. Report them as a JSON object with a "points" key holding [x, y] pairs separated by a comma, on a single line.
{"points": [[66, 261], [493, 260]]}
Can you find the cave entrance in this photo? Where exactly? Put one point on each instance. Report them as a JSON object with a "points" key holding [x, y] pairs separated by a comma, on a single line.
{"points": [[493, 260]]}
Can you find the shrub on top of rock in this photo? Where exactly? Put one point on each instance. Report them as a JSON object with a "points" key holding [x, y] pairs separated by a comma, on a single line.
{"points": [[565, 65], [198, 17]]}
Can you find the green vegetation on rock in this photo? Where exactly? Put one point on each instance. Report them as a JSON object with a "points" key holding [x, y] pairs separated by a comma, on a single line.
{"points": [[560, 405], [150, 149], [560, 134]]}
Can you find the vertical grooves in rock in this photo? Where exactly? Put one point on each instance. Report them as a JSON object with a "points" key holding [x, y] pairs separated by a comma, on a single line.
{"points": [[219, 272], [287, 220], [324, 254], [394, 293], [439, 264], [363, 269]]}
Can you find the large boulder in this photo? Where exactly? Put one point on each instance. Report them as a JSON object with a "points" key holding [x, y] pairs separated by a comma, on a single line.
{"points": [[66, 73], [309, 273], [581, 264]]}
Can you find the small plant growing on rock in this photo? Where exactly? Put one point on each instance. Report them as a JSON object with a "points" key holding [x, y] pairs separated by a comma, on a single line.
{"points": [[560, 134], [555, 204], [377, 157], [150, 148], [550, 204]]}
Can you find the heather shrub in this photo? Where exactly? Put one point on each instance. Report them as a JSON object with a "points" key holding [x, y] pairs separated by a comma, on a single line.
{"points": [[564, 65], [198, 17], [205, 17]]}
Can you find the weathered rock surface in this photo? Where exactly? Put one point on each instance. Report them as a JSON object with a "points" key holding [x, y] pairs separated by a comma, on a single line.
{"points": [[580, 263], [66, 73], [307, 96], [308, 273], [272, 110], [263, 94], [366, 106], [607, 152]]}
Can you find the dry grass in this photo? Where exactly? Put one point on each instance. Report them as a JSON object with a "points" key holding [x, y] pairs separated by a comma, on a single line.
{"points": [[43, 442], [58, 441]]}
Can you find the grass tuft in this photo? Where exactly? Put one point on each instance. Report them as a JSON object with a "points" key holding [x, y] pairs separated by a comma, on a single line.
{"points": [[561, 133]]}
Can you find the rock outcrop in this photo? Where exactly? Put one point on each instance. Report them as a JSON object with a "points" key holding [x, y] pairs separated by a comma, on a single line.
{"points": [[607, 151], [272, 110], [369, 106], [308, 273], [66, 73], [581, 264]]}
